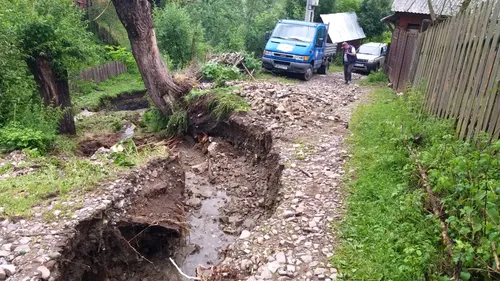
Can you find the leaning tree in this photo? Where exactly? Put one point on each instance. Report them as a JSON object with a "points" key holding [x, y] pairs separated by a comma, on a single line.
{"points": [[136, 17], [54, 41]]}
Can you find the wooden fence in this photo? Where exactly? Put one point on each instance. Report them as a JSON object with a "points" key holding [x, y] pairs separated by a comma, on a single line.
{"points": [[457, 63], [104, 72], [401, 56]]}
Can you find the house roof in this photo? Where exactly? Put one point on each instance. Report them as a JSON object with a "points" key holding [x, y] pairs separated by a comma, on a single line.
{"points": [[343, 27], [441, 7]]}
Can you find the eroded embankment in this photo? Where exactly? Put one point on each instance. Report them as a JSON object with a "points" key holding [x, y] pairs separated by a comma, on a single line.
{"points": [[171, 206]]}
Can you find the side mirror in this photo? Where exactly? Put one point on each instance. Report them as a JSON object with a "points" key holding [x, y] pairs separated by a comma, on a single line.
{"points": [[268, 35]]}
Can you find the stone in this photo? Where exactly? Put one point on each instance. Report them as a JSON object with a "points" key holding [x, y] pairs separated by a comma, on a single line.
{"points": [[24, 240], [245, 234], [299, 194], [51, 264], [194, 202], [7, 247], [320, 271], [306, 258], [200, 168], [9, 269], [290, 268], [22, 249], [273, 266], [212, 149], [266, 274], [4, 254], [44, 272], [280, 257], [3, 275], [288, 214], [54, 255]]}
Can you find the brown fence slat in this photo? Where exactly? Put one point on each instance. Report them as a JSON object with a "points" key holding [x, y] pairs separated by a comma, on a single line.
{"points": [[102, 73]]}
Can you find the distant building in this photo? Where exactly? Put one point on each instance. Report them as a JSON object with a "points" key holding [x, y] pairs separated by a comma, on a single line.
{"points": [[344, 27]]}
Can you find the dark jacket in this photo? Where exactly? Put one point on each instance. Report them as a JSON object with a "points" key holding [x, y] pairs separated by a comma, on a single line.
{"points": [[350, 59]]}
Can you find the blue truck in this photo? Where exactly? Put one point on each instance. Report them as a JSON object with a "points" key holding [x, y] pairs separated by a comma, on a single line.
{"points": [[298, 47]]}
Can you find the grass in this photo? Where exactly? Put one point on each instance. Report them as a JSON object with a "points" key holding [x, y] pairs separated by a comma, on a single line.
{"points": [[223, 103], [386, 234], [105, 122], [335, 68], [98, 94], [375, 78], [110, 21], [61, 177], [302, 150]]}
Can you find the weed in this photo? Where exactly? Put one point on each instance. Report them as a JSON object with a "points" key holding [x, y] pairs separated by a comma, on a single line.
{"points": [[302, 150], [14, 136], [105, 122], [93, 100], [154, 120], [375, 78], [219, 73], [6, 168], [388, 202], [225, 103], [178, 123], [64, 145]]}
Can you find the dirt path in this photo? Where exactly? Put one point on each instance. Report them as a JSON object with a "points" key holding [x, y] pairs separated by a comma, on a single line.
{"points": [[309, 123]]}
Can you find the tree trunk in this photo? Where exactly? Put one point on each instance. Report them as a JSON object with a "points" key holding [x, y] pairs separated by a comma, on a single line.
{"points": [[137, 19], [54, 89]]}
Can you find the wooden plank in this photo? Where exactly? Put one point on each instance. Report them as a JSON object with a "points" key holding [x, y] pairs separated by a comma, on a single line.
{"points": [[469, 73], [494, 122], [422, 60], [465, 69], [458, 26], [451, 37], [431, 34], [482, 79], [490, 90], [433, 66], [441, 61], [415, 58], [467, 25]]}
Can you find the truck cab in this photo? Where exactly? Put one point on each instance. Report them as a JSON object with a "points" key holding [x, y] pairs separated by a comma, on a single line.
{"points": [[298, 47]]}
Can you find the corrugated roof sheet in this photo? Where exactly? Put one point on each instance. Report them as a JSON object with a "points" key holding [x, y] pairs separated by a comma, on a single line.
{"points": [[441, 7], [343, 27]]}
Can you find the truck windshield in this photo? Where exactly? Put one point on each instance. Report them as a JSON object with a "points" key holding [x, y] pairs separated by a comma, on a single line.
{"points": [[294, 32], [369, 50]]}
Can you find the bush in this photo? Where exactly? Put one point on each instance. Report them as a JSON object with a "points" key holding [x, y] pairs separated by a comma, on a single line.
{"points": [[14, 137], [154, 120], [219, 73], [176, 33], [377, 77], [251, 62], [121, 54], [178, 123]]}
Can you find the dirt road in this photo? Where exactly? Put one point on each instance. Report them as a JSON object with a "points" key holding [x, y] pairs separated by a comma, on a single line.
{"points": [[309, 123]]}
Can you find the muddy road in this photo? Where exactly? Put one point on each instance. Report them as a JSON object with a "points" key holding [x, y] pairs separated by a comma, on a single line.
{"points": [[256, 199]]}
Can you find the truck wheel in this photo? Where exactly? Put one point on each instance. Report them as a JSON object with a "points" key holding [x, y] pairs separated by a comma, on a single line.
{"points": [[323, 69], [308, 74]]}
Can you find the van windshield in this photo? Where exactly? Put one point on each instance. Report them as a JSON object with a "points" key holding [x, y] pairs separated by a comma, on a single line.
{"points": [[296, 32], [369, 50]]}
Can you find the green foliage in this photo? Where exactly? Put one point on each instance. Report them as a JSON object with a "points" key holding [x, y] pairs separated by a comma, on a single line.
{"points": [[342, 6], [224, 103], [178, 123], [154, 120], [388, 199], [178, 35], [385, 37], [251, 62], [14, 137], [376, 78], [219, 73], [121, 54], [370, 13], [94, 100], [109, 20]]}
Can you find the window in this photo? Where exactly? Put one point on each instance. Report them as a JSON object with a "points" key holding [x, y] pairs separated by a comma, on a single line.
{"points": [[321, 37], [294, 32]]}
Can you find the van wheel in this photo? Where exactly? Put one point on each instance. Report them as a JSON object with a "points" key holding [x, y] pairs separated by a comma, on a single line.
{"points": [[323, 69], [308, 74]]}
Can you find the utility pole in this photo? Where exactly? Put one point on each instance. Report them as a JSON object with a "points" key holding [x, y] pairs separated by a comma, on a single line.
{"points": [[310, 6]]}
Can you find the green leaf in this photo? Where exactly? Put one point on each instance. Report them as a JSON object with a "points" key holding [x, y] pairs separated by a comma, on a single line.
{"points": [[465, 275]]}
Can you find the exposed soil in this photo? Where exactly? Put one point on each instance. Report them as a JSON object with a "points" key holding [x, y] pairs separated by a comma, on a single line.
{"points": [[127, 101], [255, 199]]}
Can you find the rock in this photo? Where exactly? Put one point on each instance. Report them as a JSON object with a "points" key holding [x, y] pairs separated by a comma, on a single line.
{"points": [[290, 268], [306, 258], [44, 272], [266, 274], [200, 168], [9, 269], [281, 258], [4, 254], [246, 264], [312, 224], [249, 223], [22, 249], [299, 194], [288, 214], [3, 275], [273, 266], [320, 271], [24, 240], [212, 149], [51, 264], [54, 255], [7, 247], [194, 202], [245, 234]]}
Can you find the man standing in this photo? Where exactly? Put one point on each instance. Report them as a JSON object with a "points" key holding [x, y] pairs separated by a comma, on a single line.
{"points": [[349, 59]]}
